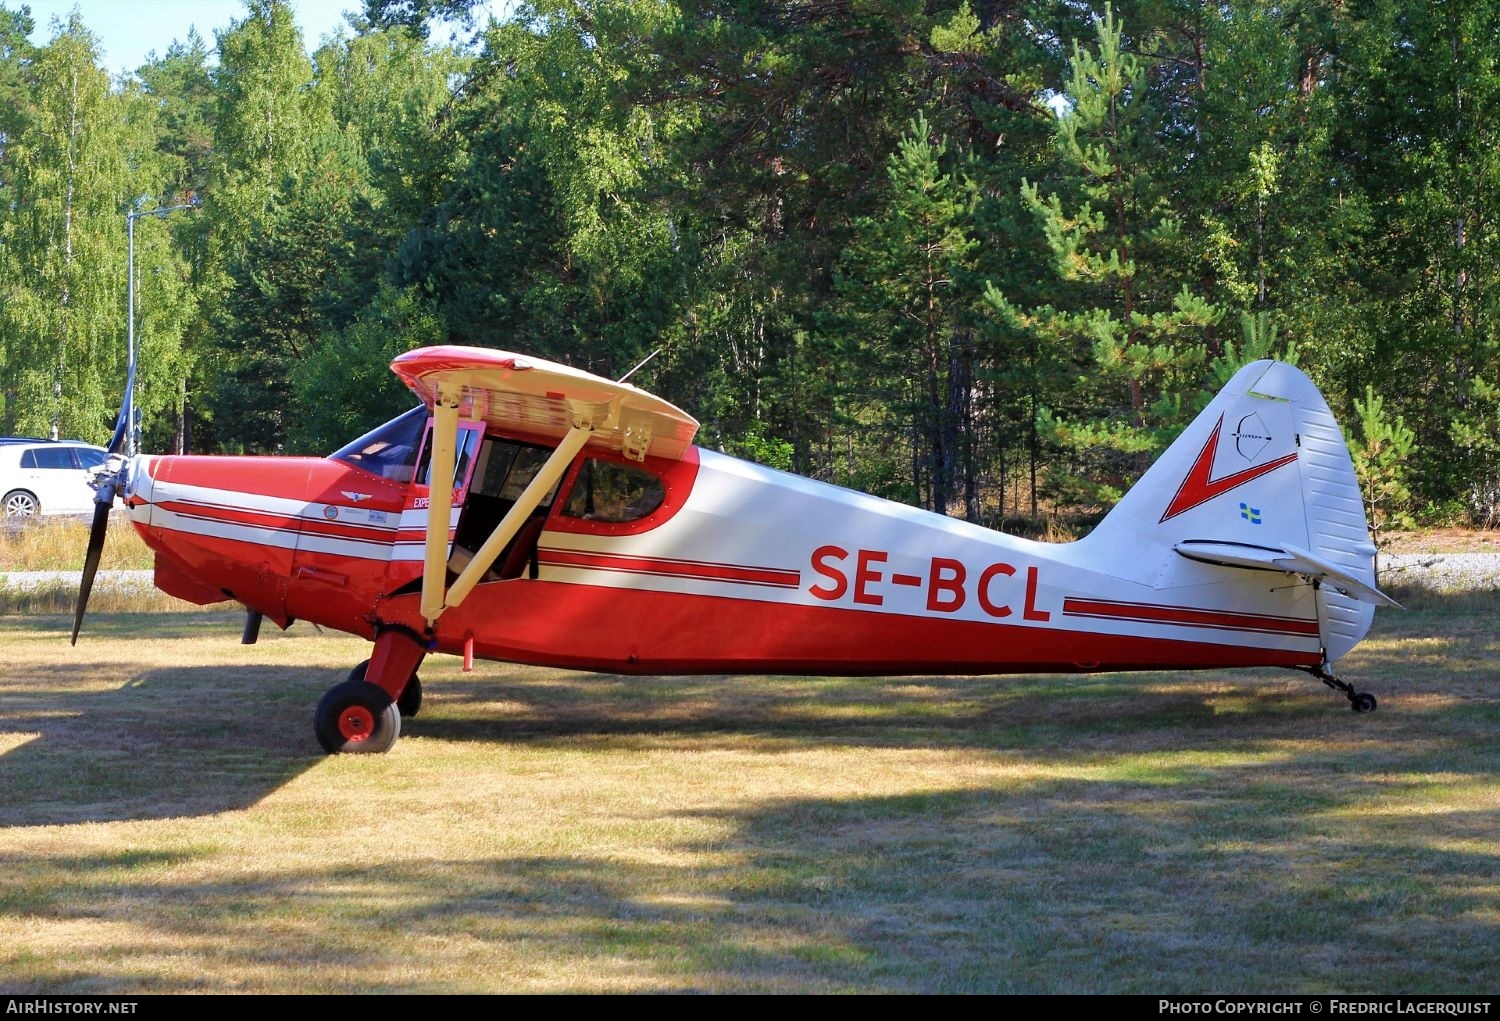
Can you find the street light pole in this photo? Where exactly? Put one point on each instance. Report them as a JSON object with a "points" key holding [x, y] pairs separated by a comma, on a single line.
{"points": [[130, 218]]}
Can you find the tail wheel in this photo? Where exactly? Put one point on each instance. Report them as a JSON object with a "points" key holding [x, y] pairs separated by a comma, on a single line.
{"points": [[356, 716], [20, 504], [1359, 701], [410, 702]]}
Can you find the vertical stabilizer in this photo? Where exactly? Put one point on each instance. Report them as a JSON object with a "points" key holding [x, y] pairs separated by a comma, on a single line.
{"points": [[1262, 475]]}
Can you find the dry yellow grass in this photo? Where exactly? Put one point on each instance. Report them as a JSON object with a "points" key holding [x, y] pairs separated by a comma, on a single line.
{"points": [[168, 825], [58, 544]]}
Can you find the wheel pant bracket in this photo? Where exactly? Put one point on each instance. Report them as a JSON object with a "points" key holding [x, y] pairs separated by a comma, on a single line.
{"points": [[398, 653]]}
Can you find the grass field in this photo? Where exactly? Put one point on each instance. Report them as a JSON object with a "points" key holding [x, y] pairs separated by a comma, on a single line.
{"points": [[167, 824], [58, 544]]}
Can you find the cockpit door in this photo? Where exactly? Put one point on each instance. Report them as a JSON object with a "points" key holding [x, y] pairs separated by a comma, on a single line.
{"points": [[503, 470], [419, 494]]}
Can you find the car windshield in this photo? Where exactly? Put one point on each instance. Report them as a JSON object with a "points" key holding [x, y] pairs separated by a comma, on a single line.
{"points": [[389, 451]]}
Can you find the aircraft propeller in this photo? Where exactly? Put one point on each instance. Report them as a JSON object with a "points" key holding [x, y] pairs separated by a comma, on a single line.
{"points": [[108, 482]]}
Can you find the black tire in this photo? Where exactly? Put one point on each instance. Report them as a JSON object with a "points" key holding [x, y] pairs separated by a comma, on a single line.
{"points": [[18, 503], [410, 702], [356, 717], [1363, 702]]}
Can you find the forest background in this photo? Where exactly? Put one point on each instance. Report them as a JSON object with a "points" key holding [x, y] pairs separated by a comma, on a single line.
{"points": [[986, 257]]}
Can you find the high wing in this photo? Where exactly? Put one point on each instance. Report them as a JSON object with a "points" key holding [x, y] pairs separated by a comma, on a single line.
{"points": [[531, 395], [519, 393]]}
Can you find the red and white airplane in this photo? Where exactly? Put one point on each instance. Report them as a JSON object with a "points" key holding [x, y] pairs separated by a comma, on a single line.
{"points": [[533, 513]]}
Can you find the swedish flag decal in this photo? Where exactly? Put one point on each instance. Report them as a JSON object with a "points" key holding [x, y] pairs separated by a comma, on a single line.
{"points": [[1250, 514]]}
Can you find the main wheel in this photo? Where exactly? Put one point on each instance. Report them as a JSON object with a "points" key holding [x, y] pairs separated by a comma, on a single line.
{"points": [[410, 702], [20, 504], [1363, 702], [356, 716]]}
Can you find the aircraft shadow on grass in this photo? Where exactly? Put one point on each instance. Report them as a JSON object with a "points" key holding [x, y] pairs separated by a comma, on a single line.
{"points": [[1169, 873], [167, 743], [183, 741], [186, 741]]}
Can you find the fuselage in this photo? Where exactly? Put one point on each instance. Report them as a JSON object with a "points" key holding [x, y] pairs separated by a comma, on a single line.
{"points": [[698, 564]]}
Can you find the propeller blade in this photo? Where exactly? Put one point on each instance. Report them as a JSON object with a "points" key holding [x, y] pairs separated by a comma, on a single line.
{"points": [[104, 499], [102, 507], [124, 421]]}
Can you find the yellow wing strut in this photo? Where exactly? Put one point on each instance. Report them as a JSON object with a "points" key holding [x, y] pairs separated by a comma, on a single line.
{"points": [[440, 506], [584, 417]]}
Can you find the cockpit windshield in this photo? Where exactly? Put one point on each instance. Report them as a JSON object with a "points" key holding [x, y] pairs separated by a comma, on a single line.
{"points": [[390, 450]]}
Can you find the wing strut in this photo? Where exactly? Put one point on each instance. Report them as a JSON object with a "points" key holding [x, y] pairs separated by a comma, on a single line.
{"points": [[583, 416], [440, 505]]}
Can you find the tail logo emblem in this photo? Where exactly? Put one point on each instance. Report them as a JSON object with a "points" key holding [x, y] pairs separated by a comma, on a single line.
{"points": [[1199, 486], [1251, 437]]}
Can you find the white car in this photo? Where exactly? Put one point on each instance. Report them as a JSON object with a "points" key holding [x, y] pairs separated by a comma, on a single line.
{"points": [[47, 476]]}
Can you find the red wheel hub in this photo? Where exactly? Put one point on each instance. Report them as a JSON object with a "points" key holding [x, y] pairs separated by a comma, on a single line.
{"points": [[356, 723]]}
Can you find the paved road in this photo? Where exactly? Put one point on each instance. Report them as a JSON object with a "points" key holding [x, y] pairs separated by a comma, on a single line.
{"points": [[1454, 572], [102, 580]]}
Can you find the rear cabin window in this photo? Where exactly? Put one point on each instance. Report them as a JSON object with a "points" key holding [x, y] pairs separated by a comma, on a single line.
{"points": [[390, 450], [612, 492]]}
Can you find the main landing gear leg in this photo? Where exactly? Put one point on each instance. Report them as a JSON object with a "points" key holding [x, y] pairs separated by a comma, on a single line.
{"points": [[1359, 701], [393, 665], [363, 714]]}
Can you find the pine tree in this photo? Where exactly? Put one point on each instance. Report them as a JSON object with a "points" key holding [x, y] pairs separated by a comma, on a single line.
{"points": [[256, 322], [1129, 323], [907, 291]]}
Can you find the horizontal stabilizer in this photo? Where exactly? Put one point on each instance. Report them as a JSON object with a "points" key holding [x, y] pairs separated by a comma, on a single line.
{"points": [[1287, 559]]}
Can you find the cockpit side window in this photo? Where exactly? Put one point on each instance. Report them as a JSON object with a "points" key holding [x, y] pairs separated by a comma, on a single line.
{"points": [[504, 469], [611, 492], [390, 450], [507, 468]]}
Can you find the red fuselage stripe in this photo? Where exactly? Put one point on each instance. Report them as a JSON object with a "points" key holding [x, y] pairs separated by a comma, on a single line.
{"points": [[1187, 616], [200, 511], [663, 566], [640, 631], [293, 524]]}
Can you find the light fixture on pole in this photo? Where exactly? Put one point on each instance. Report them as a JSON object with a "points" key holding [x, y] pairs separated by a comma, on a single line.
{"points": [[130, 218]]}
